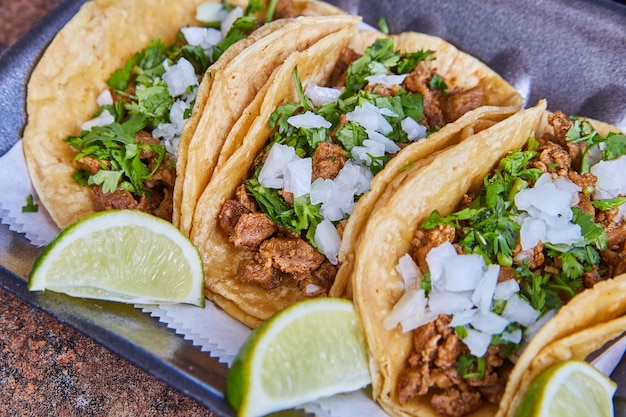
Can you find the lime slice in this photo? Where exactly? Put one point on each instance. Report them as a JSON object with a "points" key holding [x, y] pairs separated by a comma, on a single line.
{"points": [[121, 255], [569, 389], [312, 349]]}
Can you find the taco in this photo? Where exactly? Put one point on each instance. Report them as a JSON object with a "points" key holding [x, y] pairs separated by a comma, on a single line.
{"points": [[233, 89], [243, 218], [443, 332], [112, 40]]}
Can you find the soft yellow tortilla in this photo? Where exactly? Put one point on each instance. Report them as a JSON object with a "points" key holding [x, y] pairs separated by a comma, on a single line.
{"points": [[247, 302], [72, 72], [233, 89], [438, 185]]}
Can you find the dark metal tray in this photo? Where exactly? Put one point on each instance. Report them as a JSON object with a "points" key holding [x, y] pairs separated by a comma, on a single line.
{"points": [[571, 52]]}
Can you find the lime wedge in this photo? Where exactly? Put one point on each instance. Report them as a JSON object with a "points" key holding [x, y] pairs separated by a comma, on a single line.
{"points": [[569, 389], [121, 255], [312, 349]]}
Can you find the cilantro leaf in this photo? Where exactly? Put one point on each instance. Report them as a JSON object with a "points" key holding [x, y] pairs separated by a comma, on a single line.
{"points": [[30, 206]]}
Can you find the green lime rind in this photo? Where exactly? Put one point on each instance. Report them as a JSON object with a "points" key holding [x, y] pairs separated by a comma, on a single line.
{"points": [[121, 255], [312, 349], [570, 388]]}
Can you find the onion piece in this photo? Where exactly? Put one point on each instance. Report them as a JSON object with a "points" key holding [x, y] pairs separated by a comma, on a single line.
{"points": [[272, 173], [327, 239], [477, 342], [308, 120], [298, 176], [103, 119], [519, 311], [179, 77], [463, 272], [388, 80], [409, 271], [321, 96]]}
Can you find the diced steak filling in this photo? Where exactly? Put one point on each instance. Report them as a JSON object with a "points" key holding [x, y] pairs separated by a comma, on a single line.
{"points": [[432, 368], [158, 189], [279, 253]]}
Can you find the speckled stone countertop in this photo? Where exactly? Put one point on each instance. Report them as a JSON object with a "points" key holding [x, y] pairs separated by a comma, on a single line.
{"points": [[48, 368]]}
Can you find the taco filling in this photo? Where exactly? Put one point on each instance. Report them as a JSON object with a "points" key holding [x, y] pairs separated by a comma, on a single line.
{"points": [[126, 154], [322, 156], [546, 224]]}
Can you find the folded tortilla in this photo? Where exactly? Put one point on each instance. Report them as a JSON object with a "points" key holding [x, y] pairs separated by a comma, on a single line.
{"points": [[71, 73], [233, 88], [73, 70], [251, 303], [440, 185]]}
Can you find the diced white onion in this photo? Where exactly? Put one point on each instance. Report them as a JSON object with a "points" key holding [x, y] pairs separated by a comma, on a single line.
{"points": [[272, 174], [202, 37], [436, 260], [308, 120], [103, 119], [386, 80], [519, 311], [328, 240], [462, 318], [410, 311], [409, 271], [489, 322], [371, 117], [505, 289], [390, 146], [179, 77], [298, 176], [483, 294], [370, 148], [611, 182], [463, 272], [414, 130], [446, 302], [549, 213], [477, 342], [321, 96], [337, 196], [230, 18], [513, 337], [104, 98], [209, 12], [170, 132]]}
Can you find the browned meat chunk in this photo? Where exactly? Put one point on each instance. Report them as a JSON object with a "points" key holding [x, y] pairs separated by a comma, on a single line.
{"points": [[561, 124], [346, 57], [533, 256], [164, 176], [328, 160], [229, 215], [250, 270], [241, 194], [425, 240], [318, 282], [251, 230], [91, 164], [555, 158], [456, 104], [293, 256], [418, 81], [456, 403], [119, 199], [284, 9]]}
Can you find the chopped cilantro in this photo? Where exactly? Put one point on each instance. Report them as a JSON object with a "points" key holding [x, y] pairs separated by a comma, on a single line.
{"points": [[30, 206], [383, 25], [470, 366]]}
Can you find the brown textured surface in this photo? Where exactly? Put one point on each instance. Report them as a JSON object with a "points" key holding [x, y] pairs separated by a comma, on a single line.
{"points": [[46, 367]]}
